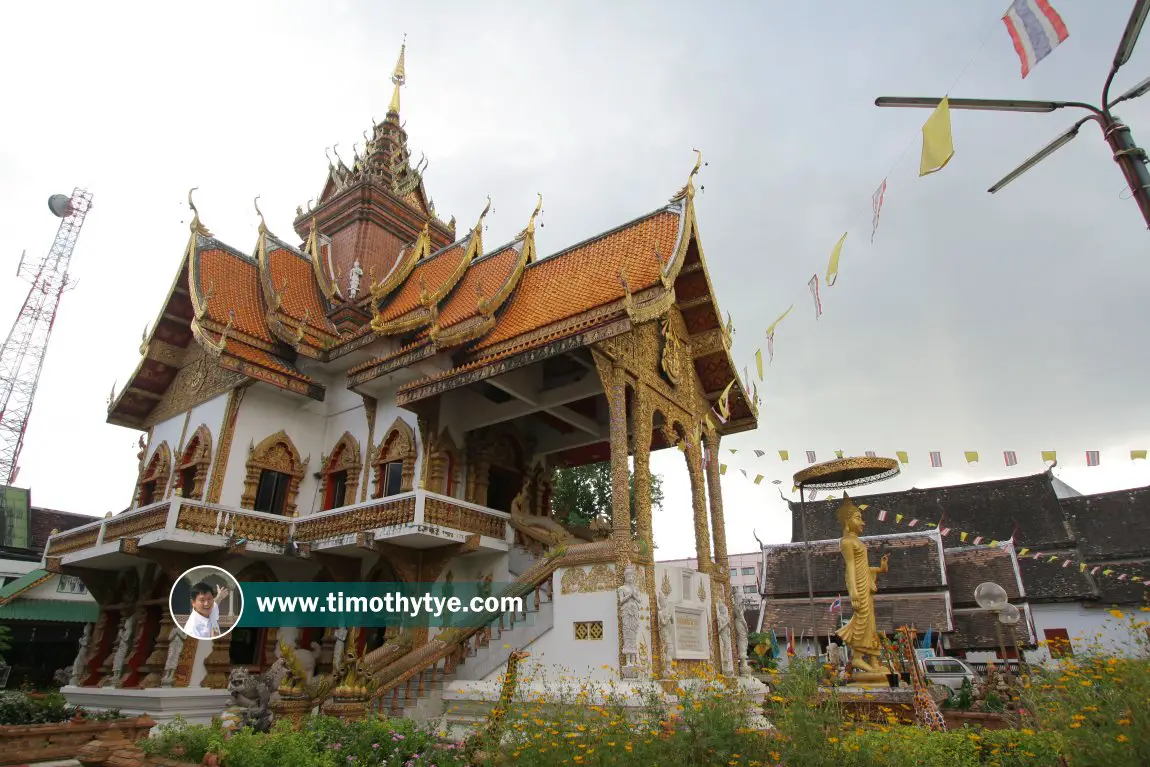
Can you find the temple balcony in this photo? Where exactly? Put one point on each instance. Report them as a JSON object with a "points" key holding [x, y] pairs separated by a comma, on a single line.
{"points": [[180, 527]]}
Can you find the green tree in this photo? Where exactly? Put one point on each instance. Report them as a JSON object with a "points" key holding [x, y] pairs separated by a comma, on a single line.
{"points": [[583, 493]]}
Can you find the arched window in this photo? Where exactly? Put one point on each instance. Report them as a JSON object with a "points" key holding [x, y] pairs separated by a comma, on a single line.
{"points": [[274, 473], [154, 481], [341, 472], [393, 465], [192, 471]]}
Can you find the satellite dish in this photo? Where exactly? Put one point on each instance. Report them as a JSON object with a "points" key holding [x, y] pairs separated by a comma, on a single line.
{"points": [[60, 205]]}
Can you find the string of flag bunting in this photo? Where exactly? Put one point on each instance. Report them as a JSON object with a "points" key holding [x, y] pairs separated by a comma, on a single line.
{"points": [[1093, 458], [1035, 29]]}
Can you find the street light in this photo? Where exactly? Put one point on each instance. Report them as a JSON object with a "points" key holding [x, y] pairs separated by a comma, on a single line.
{"points": [[1009, 616], [992, 598], [1130, 157]]}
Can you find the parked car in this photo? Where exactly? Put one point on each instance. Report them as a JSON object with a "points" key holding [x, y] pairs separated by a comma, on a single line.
{"points": [[949, 672]]}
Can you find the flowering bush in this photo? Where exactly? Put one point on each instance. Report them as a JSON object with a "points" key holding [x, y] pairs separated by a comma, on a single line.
{"points": [[1096, 700]]}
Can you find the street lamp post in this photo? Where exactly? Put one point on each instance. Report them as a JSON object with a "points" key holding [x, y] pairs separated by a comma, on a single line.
{"points": [[1130, 157], [992, 598]]}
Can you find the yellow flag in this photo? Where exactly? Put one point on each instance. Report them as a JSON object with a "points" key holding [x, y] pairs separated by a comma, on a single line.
{"points": [[902, 456], [771, 327], [724, 405], [759, 362], [838, 454], [784, 455], [994, 543], [937, 143], [833, 266], [758, 478], [1136, 454], [962, 536], [722, 469], [863, 506], [1107, 572], [898, 517], [1023, 552], [1081, 567], [971, 456], [1049, 456]]}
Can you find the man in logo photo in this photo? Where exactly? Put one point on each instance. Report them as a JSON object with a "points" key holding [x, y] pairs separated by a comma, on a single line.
{"points": [[204, 621]]}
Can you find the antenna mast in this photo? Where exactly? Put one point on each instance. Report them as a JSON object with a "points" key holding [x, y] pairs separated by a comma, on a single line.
{"points": [[23, 352]]}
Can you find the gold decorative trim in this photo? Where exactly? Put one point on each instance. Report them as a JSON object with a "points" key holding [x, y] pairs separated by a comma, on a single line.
{"points": [[345, 456], [412, 255], [197, 453], [224, 447], [159, 471], [275, 453], [370, 406], [576, 580], [398, 444]]}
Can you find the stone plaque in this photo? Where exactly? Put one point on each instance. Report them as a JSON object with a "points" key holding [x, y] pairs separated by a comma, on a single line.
{"points": [[690, 633]]}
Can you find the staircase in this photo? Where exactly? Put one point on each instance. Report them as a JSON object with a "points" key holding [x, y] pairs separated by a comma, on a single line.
{"points": [[483, 652]]}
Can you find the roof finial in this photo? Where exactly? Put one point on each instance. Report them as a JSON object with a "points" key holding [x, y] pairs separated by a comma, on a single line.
{"points": [[483, 215], [260, 213], [196, 226], [688, 191], [398, 77], [534, 213]]}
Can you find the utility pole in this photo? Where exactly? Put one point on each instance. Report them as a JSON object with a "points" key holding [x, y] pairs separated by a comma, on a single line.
{"points": [[1130, 157]]}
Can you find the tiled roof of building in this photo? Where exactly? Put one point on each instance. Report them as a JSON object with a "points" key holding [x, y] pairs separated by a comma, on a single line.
{"points": [[969, 566], [227, 286], [432, 274], [915, 564], [974, 629], [484, 277], [1112, 525], [293, 275], [586, 276], [43, 521], [920, 611], [990, 509]]}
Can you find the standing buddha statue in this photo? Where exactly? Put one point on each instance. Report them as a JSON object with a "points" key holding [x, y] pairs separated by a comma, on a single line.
{"points": [[860, 634]]}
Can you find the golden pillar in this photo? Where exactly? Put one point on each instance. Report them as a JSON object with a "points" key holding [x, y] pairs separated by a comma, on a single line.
{"points": [[694, 455], [620, 476], [641, 425], [715, 494]]}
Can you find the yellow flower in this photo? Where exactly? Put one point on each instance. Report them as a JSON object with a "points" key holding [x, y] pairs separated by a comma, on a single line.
{"points": [[1075, 725], [1117, 614], [1122, 738], [1123, 722], [1027, 731], [1086, 683], [832, 740]]}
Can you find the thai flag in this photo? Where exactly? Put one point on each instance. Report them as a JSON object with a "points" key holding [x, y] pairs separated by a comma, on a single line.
{"points": [[1035, 28], [882, 515], [871, 454], [1092, 458], [1010, 457], [837, 605], [810, 456], [814, 286], [936, 459], [977, 539]]}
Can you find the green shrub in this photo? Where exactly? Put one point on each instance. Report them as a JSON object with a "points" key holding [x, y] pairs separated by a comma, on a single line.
{"points": [[44, 708]]}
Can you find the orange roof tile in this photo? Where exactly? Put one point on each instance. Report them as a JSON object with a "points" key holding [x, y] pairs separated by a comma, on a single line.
{"points": [[490, 272], [227, 281], [302, 294], [587, 276], [434, 271]]}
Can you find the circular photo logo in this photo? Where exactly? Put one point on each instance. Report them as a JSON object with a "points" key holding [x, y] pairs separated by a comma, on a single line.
{"points": [[206, 602]]}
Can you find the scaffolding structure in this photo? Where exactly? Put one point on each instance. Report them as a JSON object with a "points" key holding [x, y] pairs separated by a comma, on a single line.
{"points": [[23, 352]]}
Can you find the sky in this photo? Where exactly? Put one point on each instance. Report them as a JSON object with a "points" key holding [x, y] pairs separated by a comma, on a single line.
{"points": [[972, 322]]}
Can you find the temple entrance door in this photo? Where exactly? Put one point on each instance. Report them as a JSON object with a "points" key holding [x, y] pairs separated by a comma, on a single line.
{"points": [[502, 487]]}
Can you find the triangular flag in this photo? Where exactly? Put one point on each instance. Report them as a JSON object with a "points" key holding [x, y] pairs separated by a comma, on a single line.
{"points": [[759, 363], [744, 472], [1137, 454], [784, 455], [833, 266], [897, 518], [771, 334], [937, 142], [733, 450], [1049, 456], [902, 456], [1081, 567], [971, 456]]}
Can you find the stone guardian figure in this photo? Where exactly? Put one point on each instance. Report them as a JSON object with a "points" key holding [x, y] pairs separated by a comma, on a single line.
{"points": [[628, 595], [175, 649], [741, 632], [353, 278], [723, 629], [123, 645], [80, 665]]}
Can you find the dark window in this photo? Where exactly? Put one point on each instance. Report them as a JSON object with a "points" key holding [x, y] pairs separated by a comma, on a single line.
{"points": [[336, 490], [148, 493], [245, 647], [188, 481], [502, 487], [271, 495], [392, 478], [1058, 640]]}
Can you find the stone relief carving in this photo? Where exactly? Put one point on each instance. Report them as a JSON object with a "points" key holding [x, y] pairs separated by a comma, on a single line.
{"points": [[628, 596], [723, 629], [80, 665]]}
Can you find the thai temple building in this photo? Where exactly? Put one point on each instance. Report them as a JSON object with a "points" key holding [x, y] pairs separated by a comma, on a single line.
{"points": [[382, 396]]}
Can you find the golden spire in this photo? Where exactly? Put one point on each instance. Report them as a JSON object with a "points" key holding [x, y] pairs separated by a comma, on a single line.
{"points": [[196, 226], [688, 190], [398, 77], [263, 224]]}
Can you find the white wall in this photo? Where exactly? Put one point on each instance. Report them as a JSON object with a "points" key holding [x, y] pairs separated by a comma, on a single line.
{"points": [[558, 655], [47, 590], [209, 414], [1089, 626]]}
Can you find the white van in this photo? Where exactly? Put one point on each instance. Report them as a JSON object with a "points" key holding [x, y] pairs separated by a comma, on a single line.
{"points": [[949, 672]]}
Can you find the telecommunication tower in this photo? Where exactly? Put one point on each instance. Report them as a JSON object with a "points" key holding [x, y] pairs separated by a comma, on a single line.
{"points": [[23, 352]]}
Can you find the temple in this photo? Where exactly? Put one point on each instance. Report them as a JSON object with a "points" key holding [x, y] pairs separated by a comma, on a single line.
{"points": [[383, 396]]}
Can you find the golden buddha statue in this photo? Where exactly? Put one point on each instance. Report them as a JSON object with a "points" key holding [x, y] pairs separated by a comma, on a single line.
{"points": [[860, 634]]}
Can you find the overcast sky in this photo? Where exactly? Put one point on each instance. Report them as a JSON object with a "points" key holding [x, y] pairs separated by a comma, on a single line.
{"points": [[974, 322]]}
